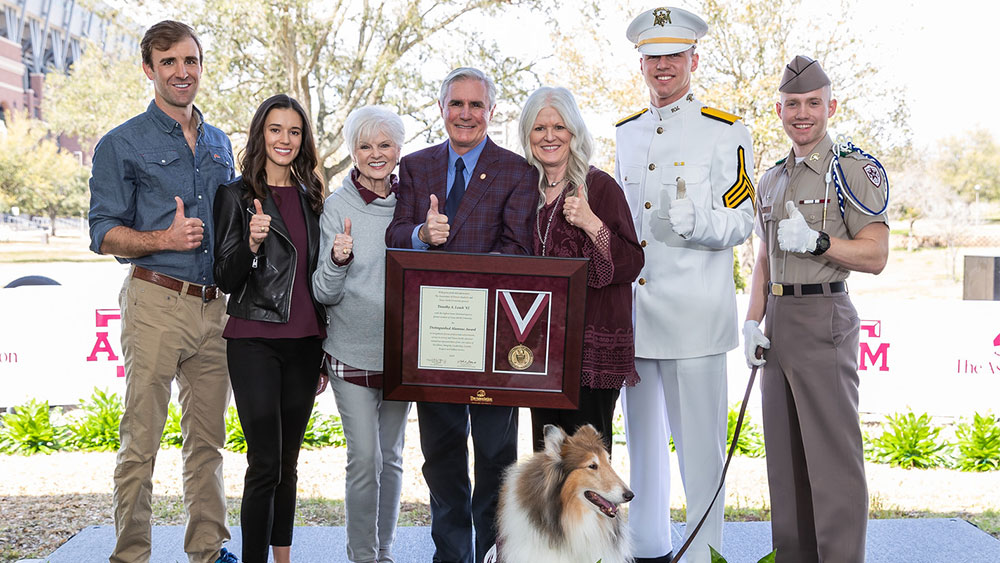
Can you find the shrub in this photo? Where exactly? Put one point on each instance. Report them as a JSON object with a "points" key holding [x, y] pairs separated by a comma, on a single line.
{"points": [[751, 442], [322, 431], [978, 443], [97, 429], [910, 441], [235, 440], [28, 429], [173, 436]]}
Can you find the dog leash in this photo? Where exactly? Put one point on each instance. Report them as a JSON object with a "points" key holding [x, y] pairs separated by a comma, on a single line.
{"points": [[729, 458]]}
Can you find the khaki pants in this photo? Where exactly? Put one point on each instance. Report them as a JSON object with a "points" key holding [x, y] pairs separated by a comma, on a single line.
{"points": [[168, 336], [815, 463]]}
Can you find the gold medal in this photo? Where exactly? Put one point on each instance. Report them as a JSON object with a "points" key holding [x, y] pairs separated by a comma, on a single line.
{"points": [[520, 357]]}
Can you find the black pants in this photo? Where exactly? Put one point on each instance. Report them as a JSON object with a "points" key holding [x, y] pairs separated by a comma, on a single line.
{"points": [[597, 408], [274, 383], [455, 507]]}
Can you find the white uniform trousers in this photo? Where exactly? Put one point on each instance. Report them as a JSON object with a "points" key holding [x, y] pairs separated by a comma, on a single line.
{"points": [[687, 399]]}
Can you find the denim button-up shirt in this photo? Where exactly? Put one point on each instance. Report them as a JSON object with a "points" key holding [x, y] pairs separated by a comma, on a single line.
{"points": [[139, 167]]}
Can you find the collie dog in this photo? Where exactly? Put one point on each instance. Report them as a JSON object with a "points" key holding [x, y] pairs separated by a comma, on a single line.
{"points": [[561, 504]]}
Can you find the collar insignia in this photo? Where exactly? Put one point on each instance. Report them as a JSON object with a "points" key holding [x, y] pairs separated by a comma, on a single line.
{"points": [[675, 109], [661, 17], [689, 97], [814, 156]]}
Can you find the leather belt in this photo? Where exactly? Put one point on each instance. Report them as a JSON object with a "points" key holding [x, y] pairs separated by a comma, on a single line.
{"points": [[206, 292], [795, 289]]}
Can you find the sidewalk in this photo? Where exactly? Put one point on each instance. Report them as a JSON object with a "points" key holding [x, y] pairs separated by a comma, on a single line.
{"points": [[889, 541]]}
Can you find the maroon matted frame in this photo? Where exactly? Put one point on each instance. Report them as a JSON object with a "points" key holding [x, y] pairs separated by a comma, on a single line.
{"points": [[556, 340]]}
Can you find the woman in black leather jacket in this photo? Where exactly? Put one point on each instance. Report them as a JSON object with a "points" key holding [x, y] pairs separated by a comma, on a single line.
{"points": [[266, 247]]}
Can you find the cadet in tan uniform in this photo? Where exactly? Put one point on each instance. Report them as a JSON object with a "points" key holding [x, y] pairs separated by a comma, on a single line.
{"points": [[821, 217]]}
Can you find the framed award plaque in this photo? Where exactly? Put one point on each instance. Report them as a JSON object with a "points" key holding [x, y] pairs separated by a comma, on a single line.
{"points": [[484, 329]]}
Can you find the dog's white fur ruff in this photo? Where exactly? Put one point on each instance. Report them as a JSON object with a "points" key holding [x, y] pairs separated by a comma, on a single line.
{"points": [[528, 530]]}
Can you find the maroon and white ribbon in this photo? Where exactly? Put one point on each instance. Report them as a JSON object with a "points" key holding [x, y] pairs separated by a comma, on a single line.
{"points": [[522, 324]]}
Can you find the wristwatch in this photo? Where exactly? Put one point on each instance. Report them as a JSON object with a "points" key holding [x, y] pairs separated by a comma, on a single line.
{"points": [[822, 244]]}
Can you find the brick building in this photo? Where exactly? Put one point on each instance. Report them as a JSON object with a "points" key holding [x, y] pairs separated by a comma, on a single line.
{"points": [[42, 36]]}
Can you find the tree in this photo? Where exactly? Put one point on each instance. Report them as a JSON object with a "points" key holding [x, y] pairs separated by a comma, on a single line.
{"points": [[101, 91], [741, 61], [970, 160], [338, 56], [36, 175]]}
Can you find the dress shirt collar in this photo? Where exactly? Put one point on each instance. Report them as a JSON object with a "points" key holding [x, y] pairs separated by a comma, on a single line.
{"points": [[367, 195], [470, 159], [816, 160], [166, 122]]}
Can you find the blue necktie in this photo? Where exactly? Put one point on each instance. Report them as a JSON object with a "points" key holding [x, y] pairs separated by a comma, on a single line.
{"points": [[457, 191]]}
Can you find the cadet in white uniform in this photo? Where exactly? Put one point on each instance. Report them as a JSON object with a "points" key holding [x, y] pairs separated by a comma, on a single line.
{"points": [[686, 170]]}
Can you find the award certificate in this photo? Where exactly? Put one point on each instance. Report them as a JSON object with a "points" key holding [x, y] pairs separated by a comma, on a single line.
{"points": [[452, 328]]}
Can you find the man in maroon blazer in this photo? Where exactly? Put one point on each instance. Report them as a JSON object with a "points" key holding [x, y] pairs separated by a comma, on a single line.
{"points": [[465, 195]]}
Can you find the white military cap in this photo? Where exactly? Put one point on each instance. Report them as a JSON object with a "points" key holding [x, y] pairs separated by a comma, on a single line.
{"points": [[665, 31]]}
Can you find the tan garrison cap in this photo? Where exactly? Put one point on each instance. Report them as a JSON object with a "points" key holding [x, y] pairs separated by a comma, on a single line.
{"points": [[665, 31], [803, 75]]}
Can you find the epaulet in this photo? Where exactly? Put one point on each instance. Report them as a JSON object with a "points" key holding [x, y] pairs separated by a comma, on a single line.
{"points": [[720, 115], [631, 117]]}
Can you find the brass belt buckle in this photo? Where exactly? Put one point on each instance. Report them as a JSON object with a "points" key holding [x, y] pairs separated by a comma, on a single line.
{"points": [[777, 289]]}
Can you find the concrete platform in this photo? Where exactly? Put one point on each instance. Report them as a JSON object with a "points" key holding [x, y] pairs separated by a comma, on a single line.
{"points": [[889, 541]]}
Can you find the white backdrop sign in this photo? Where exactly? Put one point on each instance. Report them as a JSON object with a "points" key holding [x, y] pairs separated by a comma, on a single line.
{"points": [[58, 343]]}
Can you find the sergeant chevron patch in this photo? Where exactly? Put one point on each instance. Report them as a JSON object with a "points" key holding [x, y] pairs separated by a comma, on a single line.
{"points": [[743, 188]]}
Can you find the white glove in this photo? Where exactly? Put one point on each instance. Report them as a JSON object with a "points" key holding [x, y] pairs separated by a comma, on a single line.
{"points": [[752, 338], [681, 212], [794, 234]]}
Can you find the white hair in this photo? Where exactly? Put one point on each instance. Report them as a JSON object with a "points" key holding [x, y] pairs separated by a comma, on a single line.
{"points": [[366, 122], [581, 145], [469, 73]]}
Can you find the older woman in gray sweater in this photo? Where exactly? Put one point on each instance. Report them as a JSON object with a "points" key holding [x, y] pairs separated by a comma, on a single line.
{"points": [[350, 281]]}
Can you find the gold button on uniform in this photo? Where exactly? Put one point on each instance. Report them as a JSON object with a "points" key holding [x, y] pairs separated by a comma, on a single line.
{"points": [[642, 281], [659, 130], [652, 166], [643, 243], [648, 205]]}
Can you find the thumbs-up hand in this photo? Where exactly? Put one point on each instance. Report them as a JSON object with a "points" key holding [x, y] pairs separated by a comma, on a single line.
{"points": [[343, 244], [578, 213], [260, 226], [184, 233], [681, 213], [794, 234], [435, 229]]}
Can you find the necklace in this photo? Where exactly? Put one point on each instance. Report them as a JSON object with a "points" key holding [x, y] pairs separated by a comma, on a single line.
{"points": [[548, 224]]}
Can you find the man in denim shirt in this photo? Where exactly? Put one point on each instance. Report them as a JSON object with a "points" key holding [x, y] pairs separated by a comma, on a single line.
{"points": [[152, 191]]}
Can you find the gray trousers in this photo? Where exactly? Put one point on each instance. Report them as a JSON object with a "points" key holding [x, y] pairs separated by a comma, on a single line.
{"points": [[374, 430], [815, 460]]}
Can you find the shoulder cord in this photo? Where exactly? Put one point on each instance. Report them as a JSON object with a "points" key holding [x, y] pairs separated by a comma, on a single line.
{"points": [[837, 176]]}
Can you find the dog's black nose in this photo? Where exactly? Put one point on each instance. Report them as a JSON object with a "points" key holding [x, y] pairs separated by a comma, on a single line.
{"points": [[629, 495]]}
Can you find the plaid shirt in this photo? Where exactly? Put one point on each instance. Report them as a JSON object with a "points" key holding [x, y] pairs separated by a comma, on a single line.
{"points": [[362, 377]]}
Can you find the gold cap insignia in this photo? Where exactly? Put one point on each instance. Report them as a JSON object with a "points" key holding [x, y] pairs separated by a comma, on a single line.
{"points": [[661, 17]]}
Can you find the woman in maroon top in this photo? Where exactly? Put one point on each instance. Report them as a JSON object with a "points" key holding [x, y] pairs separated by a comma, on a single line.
{"points": [[266, 248], [582, 212]]}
